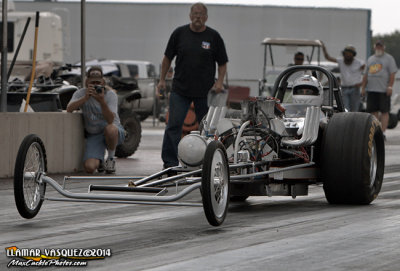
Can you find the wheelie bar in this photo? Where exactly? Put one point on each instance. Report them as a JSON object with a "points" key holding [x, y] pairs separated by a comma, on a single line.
{"points": [[125, 188]]}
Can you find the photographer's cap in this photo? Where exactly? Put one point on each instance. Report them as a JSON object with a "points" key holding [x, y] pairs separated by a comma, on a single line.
{"points": [[95, 73]]}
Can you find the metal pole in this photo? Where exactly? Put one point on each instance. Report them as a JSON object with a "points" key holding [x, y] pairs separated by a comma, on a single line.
{"points": [[155, 101], [28, 96], [83, 42], [3, 104], [272, 57]]}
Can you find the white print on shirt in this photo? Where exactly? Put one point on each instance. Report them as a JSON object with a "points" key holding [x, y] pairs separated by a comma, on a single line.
{"points": [[205, 45]]}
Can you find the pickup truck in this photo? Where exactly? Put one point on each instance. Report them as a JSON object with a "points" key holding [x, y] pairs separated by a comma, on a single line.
{"points": [[143, 72]]}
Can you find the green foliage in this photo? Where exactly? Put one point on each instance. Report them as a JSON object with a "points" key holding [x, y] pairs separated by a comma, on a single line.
{"points": [[392, 44]]}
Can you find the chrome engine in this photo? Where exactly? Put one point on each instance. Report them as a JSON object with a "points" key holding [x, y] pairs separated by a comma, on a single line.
{"points": [[270, 130]]}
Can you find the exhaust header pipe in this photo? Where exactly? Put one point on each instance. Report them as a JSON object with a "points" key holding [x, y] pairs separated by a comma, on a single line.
{"points": [[310, 133]]}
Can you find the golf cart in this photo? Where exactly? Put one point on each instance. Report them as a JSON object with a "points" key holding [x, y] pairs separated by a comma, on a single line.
{"points": [[284, 50]]}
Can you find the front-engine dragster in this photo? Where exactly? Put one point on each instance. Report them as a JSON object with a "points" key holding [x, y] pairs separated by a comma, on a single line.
{"points": [[273, 146]]}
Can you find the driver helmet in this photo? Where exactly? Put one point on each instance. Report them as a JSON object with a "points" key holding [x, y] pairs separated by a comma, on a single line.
{"points": [[307, 90]]}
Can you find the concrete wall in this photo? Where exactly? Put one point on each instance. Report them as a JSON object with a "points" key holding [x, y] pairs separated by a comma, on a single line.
{"points": [[141, 31], [61, 133]]}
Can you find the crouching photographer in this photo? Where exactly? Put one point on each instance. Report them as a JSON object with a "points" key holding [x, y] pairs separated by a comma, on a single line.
{"points": [[99, 105]]}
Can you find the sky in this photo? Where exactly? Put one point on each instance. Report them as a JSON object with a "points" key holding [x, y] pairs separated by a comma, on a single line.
{"points": [[384, 19]]}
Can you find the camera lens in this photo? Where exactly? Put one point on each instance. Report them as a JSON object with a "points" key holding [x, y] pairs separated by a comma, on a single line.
{"points": [[99, 89]]}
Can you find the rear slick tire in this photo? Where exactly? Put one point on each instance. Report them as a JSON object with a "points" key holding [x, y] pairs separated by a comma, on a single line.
{"points": [[215, 183], [393, 120], [30, 166], [353, 158]]}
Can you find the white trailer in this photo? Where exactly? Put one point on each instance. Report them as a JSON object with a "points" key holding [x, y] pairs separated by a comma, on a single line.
{"points": [[50, 46]]}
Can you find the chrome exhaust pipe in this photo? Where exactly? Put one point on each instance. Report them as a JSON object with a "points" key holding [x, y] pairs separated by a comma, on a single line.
{"points": [[207, 122], [310, 131]]}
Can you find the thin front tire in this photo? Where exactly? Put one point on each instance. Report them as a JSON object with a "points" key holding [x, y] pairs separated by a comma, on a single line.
{"points": [[215, 183], [30, 166]]}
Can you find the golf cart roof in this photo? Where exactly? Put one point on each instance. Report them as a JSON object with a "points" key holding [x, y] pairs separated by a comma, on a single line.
{"points": [[291, 42]]}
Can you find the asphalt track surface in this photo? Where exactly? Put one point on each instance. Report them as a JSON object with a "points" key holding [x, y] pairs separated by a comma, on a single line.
{"points": [[264, 233]]}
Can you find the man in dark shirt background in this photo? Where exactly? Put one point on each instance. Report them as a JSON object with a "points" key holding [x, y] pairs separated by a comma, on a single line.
{"points": [[197, 49], [298, 58]]}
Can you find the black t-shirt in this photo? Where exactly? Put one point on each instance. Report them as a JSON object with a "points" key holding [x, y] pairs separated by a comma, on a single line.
{"points": [[196, 54]]}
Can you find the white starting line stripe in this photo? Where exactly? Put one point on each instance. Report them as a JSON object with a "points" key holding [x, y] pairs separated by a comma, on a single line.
{"points": [[392, 175]]}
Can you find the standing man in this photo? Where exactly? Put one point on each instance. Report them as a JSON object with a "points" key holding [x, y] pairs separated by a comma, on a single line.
{"points": [[99, 105], [351, 70], [298, 59], [378, 83], [197, 48]]}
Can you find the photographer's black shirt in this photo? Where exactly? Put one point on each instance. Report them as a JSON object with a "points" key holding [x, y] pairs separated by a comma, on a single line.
{"points": [[196, 54]]}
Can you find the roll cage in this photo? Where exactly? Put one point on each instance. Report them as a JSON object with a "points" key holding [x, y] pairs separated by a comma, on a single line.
{"points": [[334, 100]]}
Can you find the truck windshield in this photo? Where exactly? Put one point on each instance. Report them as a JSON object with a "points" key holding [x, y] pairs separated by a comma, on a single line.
{"points": [[151, 71], [133, 70]]}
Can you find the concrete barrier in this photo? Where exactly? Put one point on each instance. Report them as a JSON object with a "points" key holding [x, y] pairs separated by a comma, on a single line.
{"points": [[62, 134]]}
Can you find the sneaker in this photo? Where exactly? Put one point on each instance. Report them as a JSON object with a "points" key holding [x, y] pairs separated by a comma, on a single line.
{"points": [[171, 172], [100, 169], [110, 166]]}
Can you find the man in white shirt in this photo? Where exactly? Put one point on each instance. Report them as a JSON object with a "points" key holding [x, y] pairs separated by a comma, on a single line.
{"points": [[351, 75]]}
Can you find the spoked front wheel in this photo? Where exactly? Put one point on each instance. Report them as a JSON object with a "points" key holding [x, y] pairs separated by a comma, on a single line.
{"points": [[215, 183], [30, 166]]}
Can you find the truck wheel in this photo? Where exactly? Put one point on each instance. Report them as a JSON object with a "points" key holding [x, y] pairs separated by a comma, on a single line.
{"points": [[353, 158], [143, 116], [215, 183], [392, 121], [30, 166], [133, 134]]}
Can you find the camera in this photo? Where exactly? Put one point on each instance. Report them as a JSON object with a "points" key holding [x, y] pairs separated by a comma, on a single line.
{"points": [[98, 88], [162, 94]]}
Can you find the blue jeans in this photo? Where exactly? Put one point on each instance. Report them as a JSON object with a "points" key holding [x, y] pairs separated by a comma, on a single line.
{"points": [[351, 98], [178, 108]]}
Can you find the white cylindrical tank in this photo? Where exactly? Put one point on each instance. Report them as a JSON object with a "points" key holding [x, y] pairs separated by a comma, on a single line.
{"points": [[191, 149]]}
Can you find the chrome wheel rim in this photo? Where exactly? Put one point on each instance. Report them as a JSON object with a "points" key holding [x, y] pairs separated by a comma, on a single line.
{"points": [[373, 164], [33, 169], [219, 183]]}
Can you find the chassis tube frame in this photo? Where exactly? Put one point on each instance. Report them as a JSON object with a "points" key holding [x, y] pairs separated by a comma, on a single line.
{"points": [[68, 194]]}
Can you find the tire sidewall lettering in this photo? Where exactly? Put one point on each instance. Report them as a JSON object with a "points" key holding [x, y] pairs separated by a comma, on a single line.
{"points": [[375, 123]]}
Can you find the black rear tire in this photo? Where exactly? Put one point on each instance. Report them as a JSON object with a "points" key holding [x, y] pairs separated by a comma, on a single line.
{"points": [[215, 185], [30, 166], [133, 128], [392, 121], [353, 158]]}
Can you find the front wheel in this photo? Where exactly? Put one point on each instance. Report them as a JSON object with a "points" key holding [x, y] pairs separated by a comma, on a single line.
{"points": [[30, 166], [215, 183]]}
